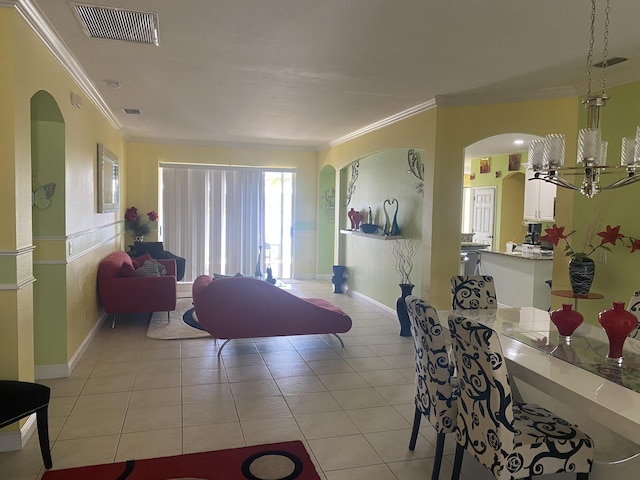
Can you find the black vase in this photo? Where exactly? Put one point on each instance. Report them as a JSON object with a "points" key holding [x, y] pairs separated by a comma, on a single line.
{"points": [[338, 278], [581, 274], [401, 309]]}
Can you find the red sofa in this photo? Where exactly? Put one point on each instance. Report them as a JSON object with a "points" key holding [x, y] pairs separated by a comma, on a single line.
{"points": [[244, 307], [123, 294]]}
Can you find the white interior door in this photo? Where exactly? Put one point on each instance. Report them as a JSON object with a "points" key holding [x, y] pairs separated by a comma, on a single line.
{"points": [[484, 206]]}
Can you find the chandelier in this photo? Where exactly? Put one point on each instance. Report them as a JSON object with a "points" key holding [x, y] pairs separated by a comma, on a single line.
{"points": [[546, 156]]}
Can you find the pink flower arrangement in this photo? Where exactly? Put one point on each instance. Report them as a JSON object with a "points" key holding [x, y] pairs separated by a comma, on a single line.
{"points": [[137, 224]]}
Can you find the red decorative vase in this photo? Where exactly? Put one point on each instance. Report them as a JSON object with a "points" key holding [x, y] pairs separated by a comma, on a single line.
{"points": [[566, 320], [618, 324]]}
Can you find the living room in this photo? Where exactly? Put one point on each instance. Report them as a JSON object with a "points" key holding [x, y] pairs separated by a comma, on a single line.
{"points": [[49, 258]]}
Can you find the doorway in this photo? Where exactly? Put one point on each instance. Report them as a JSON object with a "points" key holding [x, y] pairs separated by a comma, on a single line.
{"points": [[484, 208]]}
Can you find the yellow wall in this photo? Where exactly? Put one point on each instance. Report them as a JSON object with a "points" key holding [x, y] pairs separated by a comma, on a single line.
{"points": [[444, 133], [28, 67]]}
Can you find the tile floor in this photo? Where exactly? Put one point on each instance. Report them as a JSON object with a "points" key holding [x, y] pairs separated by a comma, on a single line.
{"points": [[133, 397]]}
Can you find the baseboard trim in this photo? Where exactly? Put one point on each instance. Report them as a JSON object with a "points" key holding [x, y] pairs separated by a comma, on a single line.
{"points": [[64, 370], [370, 300], [17, 439]]}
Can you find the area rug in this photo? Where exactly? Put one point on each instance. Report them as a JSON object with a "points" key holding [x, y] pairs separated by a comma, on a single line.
{"points": [[176, 329], [276, 461]]}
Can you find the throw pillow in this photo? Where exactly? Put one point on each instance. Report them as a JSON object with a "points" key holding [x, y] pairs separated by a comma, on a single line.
{"points": [[128, 271], [220, 275], [139, 261], [151, 268]]}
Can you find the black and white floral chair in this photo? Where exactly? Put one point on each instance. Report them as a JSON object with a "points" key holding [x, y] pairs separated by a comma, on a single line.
{"points": [[634, 307], [511, 440], [435, 394], [471, 292]]}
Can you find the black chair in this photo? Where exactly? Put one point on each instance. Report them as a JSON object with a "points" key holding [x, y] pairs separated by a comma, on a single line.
{"points": [[19, 400], [157, 251]]}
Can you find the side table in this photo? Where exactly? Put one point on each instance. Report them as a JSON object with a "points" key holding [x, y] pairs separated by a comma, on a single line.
{"points": [[576, 296]]}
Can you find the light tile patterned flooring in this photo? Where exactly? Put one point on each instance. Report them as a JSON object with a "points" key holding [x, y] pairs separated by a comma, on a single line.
{"points": [[134, 397]]}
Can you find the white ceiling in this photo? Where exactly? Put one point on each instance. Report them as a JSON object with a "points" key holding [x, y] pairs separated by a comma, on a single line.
{"points": [[312, 72]]}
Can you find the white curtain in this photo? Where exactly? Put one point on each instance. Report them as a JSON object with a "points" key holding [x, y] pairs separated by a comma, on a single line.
{"points": [[213, 217]]}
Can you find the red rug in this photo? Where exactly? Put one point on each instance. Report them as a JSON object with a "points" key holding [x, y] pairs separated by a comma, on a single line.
{"points": [[276, 461]]}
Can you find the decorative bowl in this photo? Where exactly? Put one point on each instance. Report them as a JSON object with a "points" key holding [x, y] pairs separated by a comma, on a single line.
{"points": [[368, 228]]}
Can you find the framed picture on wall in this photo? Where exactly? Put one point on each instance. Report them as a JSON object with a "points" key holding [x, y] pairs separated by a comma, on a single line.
{"points": [[485, 165], [108, 181], [514, 162]]}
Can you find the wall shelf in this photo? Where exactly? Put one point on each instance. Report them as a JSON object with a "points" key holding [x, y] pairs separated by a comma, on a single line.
{"points": [[358, 233]]}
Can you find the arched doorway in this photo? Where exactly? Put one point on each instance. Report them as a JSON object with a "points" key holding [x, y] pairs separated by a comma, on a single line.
{"points": [[326, 219], [48, 215], [503, 159]]}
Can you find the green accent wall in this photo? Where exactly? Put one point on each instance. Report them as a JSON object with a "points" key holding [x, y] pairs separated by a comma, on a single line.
{"points": [[616, 279], [326, 219], [371, 264]]}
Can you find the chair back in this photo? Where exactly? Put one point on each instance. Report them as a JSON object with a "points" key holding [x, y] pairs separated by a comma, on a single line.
{"points": [[471, 292], [485, 408], [434, 370], [634, 307]]}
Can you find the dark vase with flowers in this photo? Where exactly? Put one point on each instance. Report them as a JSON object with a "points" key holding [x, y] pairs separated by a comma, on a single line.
{"points": [[618, 324], [401, 308], [581, 273]]}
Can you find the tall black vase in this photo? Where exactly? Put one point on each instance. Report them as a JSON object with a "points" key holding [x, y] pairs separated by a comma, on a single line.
{"points": [[401, 308], [581, 274]]}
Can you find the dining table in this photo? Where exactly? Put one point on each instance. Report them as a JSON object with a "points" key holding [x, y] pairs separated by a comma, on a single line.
{"points": [[575, 373]]}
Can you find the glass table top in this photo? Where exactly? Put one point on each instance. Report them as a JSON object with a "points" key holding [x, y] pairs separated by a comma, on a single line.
{"points": [[587, 349]]}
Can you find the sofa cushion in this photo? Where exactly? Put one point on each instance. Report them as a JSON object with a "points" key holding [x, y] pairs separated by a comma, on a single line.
{"points": [[151, 268], [139, 261], [128, 271], [220, 275]]}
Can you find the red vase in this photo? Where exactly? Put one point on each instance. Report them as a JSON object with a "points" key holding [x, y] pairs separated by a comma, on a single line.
{"points": [[618, 324], [566, 320]]}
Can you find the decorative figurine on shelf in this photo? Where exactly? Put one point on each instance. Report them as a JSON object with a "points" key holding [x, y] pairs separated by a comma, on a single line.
{"points": [[356, 219], [350, 214], [270, 278], [370, 217], [391, 228]]}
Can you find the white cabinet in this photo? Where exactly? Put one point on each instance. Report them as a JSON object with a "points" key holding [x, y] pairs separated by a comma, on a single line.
{"points": [[539, 199]]}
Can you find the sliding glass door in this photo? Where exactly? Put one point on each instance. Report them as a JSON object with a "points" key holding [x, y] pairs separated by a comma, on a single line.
{"points": [[228, 220]]}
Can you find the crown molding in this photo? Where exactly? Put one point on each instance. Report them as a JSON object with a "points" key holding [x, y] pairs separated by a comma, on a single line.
{"points": [[384, 122], [49, 37]]}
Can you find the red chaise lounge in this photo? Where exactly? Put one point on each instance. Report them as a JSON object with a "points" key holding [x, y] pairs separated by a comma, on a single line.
{"points": [[244, 307]]}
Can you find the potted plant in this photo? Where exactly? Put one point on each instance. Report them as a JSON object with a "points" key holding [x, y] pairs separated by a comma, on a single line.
{"points": [[138, 225]]}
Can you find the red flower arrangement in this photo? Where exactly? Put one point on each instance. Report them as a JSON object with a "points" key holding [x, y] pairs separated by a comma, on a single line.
{"points": [[611, 235], [136, 224]]}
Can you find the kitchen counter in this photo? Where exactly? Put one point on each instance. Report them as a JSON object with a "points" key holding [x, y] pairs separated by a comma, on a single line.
{"points": [[518, 254], [519, 280]]}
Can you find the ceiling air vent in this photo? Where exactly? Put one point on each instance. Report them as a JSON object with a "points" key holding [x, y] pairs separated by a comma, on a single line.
{"points": [[132, 111], [610, 62], [118, 23]]}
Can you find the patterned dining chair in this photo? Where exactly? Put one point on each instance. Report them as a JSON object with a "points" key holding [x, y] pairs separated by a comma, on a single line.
{"points": [[510, 440], [471, 292], [634, 307], [435, 397]]}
